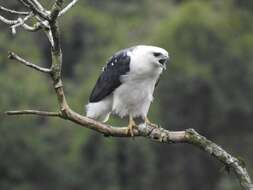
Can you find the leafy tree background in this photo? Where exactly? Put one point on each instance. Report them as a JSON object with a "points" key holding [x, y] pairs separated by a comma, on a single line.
{"points": [[208, 86]]}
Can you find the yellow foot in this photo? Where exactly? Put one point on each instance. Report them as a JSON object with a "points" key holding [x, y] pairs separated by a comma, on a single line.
{"points": [[151, 124], [131, 126]]}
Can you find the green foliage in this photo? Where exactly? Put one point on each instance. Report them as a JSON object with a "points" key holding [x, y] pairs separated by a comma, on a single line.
{"points": [[207, 86]]}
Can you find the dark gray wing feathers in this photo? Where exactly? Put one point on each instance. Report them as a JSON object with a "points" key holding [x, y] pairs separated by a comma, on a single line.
{"points": [[109, 79]]}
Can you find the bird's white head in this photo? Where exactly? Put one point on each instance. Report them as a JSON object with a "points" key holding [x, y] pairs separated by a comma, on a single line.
{"points": [[156, 57]]}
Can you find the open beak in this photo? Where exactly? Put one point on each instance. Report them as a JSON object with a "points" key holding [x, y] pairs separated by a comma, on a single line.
{"points": [[163, 62]]}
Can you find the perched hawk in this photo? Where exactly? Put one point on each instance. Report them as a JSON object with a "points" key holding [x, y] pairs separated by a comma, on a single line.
{"points": [[126, 85]]}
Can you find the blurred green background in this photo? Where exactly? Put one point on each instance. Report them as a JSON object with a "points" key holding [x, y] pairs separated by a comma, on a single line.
{"points": [[207, 86]]}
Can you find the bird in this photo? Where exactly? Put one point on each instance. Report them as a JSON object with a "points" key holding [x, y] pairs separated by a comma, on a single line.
{"points": [[126, 85]]}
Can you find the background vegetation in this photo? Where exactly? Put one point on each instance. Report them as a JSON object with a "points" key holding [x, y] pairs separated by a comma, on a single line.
{"points": [[207, 86]]}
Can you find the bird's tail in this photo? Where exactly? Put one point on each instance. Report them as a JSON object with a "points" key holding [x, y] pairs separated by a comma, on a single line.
{"points": [[99, 111]]}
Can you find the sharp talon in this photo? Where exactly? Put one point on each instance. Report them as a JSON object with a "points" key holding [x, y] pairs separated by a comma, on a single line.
{"points": [[130, 131], [150, 123], [154, 125]]}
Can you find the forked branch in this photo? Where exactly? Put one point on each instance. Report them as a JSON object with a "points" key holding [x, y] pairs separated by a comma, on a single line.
{"points": [[48, 21]]}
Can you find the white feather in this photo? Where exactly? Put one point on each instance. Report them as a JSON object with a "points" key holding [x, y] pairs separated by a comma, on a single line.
{"points": [[135, 94], [100, 110]]}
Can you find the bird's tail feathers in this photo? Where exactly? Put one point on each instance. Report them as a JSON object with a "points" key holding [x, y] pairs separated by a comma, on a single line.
{"points": [[98, 111]]}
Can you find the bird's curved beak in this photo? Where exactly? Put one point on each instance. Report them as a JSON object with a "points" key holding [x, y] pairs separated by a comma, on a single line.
{"points": [[163, 62]]}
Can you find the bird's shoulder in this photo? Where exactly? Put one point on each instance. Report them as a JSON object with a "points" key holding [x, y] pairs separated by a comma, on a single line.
{"points": [[110, 78], [119, 61]]}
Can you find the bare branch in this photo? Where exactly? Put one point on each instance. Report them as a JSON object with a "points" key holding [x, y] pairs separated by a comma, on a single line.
{"points": [[14, 11], [34, 112], [34, 28], [24, 3], [7, 21], [20, 22], [50, 37], [69, 6], [35, 9], [38, 5], [189, 136], [192, 137], [56, 8], [14, 56]]}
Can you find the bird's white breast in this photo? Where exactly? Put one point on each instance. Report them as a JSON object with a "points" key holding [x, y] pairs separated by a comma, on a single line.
{"points": [[135, 94]]}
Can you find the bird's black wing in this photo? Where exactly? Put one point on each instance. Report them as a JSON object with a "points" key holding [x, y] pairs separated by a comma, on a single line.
{"points": [[109, 80]]}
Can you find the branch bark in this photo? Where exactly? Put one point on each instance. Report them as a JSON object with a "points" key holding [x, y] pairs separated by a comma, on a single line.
{"points": [[33, 112], [69, 6], [48, 18], [14, 56], [13, 11], [21, 22]]}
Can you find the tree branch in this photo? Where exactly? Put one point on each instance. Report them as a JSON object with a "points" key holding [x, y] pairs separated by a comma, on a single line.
{"points": [[69, 6], [49, 20], [38, 5], [24, 3], [14, 56], [37, 9], [20, 22], [14, 11], [34, 28], [33, 112], [162, 135], [7, 21]]}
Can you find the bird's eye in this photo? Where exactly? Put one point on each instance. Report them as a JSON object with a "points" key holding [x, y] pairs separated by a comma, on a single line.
{"points": [[157, 54]]}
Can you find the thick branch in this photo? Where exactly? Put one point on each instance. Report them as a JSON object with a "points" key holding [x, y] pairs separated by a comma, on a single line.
{"points": [[213, 149], [56, 10], [29, 64], [189, 136]]}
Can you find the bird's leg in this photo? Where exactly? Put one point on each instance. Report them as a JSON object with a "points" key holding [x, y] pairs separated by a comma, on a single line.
{"points": [[131, 125], [150, 123]]}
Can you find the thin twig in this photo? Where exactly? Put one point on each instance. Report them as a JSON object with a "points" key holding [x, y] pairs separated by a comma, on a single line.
{"points": [[14, 56], [13, 11], [69, 6], [21, 21], [38, 5], [31, 5], [7, 21], [34, 28], [24, 3], [34, 112]]}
